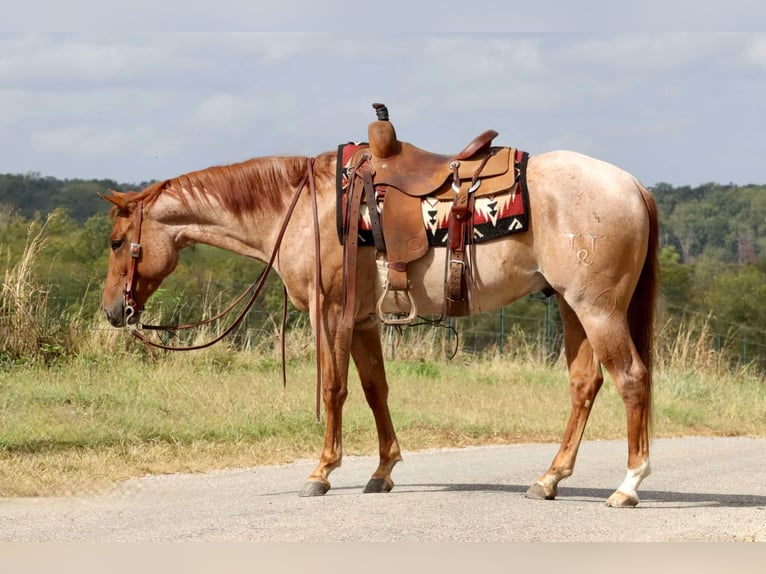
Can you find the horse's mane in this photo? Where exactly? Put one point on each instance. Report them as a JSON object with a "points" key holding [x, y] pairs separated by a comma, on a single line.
{"points": [[246, 187]]}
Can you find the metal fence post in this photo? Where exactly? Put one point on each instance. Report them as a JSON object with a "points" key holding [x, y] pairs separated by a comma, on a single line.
{"points": [[502, 330]]}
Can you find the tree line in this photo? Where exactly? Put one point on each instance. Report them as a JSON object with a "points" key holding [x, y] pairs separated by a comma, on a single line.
{"points": [[712, 259]]}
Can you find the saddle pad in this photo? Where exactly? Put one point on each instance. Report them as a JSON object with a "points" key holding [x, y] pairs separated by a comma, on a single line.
{"points": [[493, 216]]}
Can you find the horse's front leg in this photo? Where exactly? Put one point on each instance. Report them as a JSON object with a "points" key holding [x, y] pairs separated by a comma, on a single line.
{"points": [[368, 358], [334, 352]]}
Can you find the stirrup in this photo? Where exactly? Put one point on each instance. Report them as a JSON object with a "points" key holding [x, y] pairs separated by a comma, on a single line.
{"points": [[391, 318]]}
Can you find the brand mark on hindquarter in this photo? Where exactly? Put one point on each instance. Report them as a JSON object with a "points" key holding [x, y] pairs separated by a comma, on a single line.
{"points": [[584, 246]]}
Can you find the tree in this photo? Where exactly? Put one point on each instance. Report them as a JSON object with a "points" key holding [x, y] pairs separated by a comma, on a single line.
{"points": [[676, 278]]}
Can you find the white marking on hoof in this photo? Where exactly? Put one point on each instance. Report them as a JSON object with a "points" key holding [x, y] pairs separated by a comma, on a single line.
{"points": [[633, 478]]}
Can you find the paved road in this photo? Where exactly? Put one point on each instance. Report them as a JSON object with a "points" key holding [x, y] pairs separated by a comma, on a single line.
{"points": [[702, 489]]}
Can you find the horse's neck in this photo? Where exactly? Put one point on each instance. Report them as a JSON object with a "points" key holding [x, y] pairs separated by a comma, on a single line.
{"points": [[201, 218], [207, 221]]}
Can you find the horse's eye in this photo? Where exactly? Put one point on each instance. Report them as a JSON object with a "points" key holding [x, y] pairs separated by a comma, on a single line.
{"points": [[116, 244]]}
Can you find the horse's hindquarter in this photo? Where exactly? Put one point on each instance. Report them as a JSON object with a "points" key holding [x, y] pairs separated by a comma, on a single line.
{"points": [[590, 226]]}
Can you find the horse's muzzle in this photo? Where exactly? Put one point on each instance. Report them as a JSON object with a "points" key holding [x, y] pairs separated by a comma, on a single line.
{"points": [[119, 315]]}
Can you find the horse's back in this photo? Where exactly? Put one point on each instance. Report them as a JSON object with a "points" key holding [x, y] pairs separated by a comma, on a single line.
{"points": [[575, 178]]}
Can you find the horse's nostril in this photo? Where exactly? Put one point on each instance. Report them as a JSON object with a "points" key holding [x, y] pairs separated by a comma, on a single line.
{"points": [[114, 318]]}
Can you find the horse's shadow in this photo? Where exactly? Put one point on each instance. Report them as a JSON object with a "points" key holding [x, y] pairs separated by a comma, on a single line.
{"points": [[575, 494], [667, 498]]}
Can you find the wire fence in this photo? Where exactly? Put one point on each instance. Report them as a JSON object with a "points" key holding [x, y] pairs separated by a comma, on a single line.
{"points": [[532, 330]]}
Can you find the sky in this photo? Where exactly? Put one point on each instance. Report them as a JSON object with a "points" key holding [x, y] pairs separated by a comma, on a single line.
{"points": [[677, 108]]}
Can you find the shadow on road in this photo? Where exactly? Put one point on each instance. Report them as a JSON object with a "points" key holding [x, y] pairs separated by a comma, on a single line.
{"points": [[685, 499], [669, 499]]}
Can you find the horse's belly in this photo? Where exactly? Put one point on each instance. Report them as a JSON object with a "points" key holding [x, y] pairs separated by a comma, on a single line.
{"points": [[498, 274]]}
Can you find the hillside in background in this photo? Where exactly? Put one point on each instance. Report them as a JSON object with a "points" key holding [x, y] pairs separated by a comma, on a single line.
{"points": [[32, 194]]}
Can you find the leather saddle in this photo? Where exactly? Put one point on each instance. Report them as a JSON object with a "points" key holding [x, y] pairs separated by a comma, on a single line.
{"points": [[399, 175]]}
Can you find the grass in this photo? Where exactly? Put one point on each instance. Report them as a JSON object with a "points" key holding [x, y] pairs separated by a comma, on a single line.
{"points": [[22, 322], [87, 422]]}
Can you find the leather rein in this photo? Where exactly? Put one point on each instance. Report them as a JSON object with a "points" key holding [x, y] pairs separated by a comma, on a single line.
{"points": [[255, 288]]}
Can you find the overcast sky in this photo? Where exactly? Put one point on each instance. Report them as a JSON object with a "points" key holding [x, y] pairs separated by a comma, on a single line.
{"points": [[669, 107]]}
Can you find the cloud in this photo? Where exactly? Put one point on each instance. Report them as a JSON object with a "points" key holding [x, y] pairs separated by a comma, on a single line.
{"points": [[756, 52], [224, 112], [97, 143], [464, 56], [12, 107], [47, 62], [157, 104]]}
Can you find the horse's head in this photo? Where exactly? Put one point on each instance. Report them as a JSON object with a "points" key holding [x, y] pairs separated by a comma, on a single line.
{"points": [[142, 255]]}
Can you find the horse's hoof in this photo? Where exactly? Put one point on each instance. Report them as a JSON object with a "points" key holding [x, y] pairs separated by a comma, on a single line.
{"points": [[379, 485], [315, 488], [622, 500], [540, 492]]}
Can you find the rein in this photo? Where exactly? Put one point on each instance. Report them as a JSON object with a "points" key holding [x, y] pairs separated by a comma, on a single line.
{"points": [[131, 307]]}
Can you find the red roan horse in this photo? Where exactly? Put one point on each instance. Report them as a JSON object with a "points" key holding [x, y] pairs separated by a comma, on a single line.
{"points": [[592, 239]]}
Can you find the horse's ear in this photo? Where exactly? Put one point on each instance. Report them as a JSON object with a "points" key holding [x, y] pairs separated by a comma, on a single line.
{"points": [[117, 199]]}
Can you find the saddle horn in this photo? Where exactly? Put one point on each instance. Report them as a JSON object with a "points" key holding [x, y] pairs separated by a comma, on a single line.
{"points": [[382, 111], [381, 134]]}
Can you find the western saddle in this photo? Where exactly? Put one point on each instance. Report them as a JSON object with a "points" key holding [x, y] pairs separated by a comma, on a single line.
{"points": [[397, 176]]}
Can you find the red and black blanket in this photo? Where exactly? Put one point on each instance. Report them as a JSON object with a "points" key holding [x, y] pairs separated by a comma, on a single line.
{"points": [[494, 216]]}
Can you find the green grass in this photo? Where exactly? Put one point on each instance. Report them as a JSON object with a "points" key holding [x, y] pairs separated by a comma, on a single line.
{"points": [[87, 422]]}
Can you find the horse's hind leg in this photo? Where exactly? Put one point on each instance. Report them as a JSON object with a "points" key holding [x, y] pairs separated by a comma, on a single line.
{"points": [[611, 339], [585, 379], [368, 357]]}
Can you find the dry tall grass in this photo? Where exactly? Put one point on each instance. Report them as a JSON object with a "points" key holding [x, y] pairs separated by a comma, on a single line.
{"points": [[692, 347], [101, 417], [23, 320]]}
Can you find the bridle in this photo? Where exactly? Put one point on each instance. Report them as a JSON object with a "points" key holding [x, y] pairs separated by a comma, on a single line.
{"points": [[131, 307], [255, 288]]}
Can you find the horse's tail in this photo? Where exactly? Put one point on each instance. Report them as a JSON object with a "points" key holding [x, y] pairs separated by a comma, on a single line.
{"points": [[644, 301]]}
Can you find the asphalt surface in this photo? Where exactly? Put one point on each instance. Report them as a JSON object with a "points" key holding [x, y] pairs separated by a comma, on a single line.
{"points": [[701, 489]]}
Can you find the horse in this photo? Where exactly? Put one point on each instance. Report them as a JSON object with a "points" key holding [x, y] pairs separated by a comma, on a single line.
{"points": [[592, 241]]}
